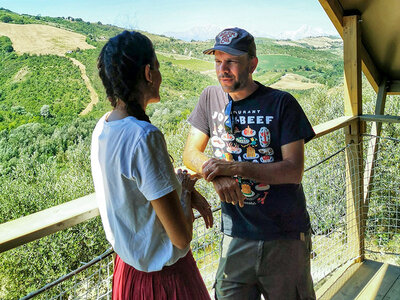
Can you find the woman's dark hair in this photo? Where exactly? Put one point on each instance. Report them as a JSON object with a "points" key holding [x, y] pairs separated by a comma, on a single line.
{"points": [[121, 65]]}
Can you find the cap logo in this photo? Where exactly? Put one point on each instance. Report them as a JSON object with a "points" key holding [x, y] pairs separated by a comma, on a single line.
{"points": [[226, 36]]}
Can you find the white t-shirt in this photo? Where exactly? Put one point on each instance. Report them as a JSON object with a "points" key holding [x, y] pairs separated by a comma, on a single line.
{"points": [[131, 167]]}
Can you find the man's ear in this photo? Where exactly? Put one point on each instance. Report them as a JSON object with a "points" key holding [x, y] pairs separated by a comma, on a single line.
{"points": [[147, 74], [253, 64]]}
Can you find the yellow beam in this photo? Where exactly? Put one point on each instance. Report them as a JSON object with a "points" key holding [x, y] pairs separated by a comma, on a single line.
{"points": [[354, 153], [332, 125], [352, 66], [335, 13], [29, 228], [370, 70], [354, 191]]}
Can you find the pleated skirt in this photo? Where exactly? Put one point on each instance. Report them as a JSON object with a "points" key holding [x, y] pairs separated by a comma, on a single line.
{"points": [[180, 281]]}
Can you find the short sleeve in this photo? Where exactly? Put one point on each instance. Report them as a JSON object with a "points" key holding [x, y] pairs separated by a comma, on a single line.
{"points": [[294, 123], [198, 117], [152, 168]]}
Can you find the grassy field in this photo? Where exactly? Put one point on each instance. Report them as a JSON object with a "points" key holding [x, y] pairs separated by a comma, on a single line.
{"points": [[193, 64], [43, 39], [281, 62]]}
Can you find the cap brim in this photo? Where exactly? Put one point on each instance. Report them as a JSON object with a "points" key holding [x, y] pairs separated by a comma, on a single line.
{"points": [[225, 49]]}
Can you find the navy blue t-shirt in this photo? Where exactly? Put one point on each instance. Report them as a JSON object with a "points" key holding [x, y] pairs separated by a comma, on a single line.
{"points": [[263, 122]]}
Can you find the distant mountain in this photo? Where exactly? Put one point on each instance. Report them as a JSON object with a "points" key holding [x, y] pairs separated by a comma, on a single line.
{"points": [[303, 31], [198, 33], [203, 33]]}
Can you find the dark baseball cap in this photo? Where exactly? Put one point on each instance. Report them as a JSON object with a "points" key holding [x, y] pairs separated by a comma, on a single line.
{"points": [[234, 41]]}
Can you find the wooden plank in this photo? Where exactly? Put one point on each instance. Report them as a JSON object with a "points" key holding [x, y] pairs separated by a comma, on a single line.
{"points": [[332, 125], [26, 229], [354, 153], [380, 118], [354, 191], [369, 69], [335, 13], [336, 280], [372, 280], [357, 281], [394, 291], [394, 87], [380, 284], [352, 65]]}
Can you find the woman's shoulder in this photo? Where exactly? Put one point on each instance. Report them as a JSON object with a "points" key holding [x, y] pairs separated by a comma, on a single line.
{"points": [[142, 126], [142, 130]]}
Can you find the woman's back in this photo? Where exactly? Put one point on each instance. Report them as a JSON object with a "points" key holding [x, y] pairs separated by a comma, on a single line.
{"points": [[131, 167], [145, 211]]}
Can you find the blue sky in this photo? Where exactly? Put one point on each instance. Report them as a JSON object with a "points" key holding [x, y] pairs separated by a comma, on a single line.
{"points": [[260, 17]]}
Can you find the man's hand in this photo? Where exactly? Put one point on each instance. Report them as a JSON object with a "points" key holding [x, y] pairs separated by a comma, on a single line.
{"points": [[217, 167], [201, 205], [228, 190]]}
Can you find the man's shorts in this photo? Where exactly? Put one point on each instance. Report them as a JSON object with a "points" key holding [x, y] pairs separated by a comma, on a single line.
{"points": [[278, 269]]}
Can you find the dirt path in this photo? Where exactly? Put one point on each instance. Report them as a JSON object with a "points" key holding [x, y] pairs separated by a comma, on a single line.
{"points": [[42, 40], [94, 98]]}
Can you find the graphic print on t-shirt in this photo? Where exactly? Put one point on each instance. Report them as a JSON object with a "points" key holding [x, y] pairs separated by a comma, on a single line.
{"points": [[250, 141]]}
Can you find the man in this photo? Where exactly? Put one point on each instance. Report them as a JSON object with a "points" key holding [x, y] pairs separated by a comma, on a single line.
{"points": [[258, 135]]}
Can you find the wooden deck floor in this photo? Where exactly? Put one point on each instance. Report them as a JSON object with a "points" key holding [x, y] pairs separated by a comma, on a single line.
{"points": [[373, 280]]}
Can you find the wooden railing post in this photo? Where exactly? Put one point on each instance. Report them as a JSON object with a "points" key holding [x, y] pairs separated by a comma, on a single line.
{"points": [[354, 153]]}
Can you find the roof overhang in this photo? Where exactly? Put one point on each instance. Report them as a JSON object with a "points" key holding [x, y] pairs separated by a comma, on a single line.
{"points": [[380, 37]]}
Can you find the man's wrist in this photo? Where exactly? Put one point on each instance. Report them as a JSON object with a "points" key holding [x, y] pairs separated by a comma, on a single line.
{"points": [[237, 169]]}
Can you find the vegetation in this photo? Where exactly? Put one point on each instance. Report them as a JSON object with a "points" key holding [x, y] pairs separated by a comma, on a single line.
{"points": [[45, 143], [28, 82]]}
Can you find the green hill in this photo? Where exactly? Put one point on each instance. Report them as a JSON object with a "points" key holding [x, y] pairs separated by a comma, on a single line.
{"points": [[45, 142]]}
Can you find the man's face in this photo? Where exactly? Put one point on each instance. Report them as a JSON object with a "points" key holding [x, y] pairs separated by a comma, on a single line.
{"points": [[233, 71]]}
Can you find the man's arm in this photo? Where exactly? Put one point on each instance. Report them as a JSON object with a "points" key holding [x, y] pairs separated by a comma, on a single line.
{"points": [[289, 170], [193, 154], [193, 157]]}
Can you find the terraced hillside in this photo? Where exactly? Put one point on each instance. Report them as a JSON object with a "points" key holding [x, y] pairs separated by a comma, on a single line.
{"points": [[45, 139]]}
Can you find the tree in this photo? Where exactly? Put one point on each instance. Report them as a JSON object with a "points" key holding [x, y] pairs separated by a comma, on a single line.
{"points": [[6, 19], [19, 110], [45, 111]]}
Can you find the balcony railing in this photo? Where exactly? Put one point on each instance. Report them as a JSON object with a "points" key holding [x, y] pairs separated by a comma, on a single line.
{"points": [[345, 232]]}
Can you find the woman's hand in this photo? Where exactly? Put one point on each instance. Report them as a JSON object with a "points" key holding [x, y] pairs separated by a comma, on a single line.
{"points": [[203, 207], [186, 180]]}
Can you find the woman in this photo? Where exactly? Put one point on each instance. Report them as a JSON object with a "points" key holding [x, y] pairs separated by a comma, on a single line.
{"points": [[145, 220]]}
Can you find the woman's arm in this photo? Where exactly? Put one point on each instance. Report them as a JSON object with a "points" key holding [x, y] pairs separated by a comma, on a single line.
{"points": [[168, 208]]}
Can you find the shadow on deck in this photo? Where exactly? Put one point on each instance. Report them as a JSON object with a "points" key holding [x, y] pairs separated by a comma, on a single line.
{"points": [[371, 280]]}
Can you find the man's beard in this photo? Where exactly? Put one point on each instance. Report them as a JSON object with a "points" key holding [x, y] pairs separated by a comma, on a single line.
{"points": [[237, 84]]}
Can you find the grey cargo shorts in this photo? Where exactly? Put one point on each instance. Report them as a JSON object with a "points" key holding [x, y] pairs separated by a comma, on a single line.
{"points": [[278, 269]]}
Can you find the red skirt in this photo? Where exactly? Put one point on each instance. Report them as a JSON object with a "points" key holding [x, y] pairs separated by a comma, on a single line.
{"points": [[180, 281]]}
